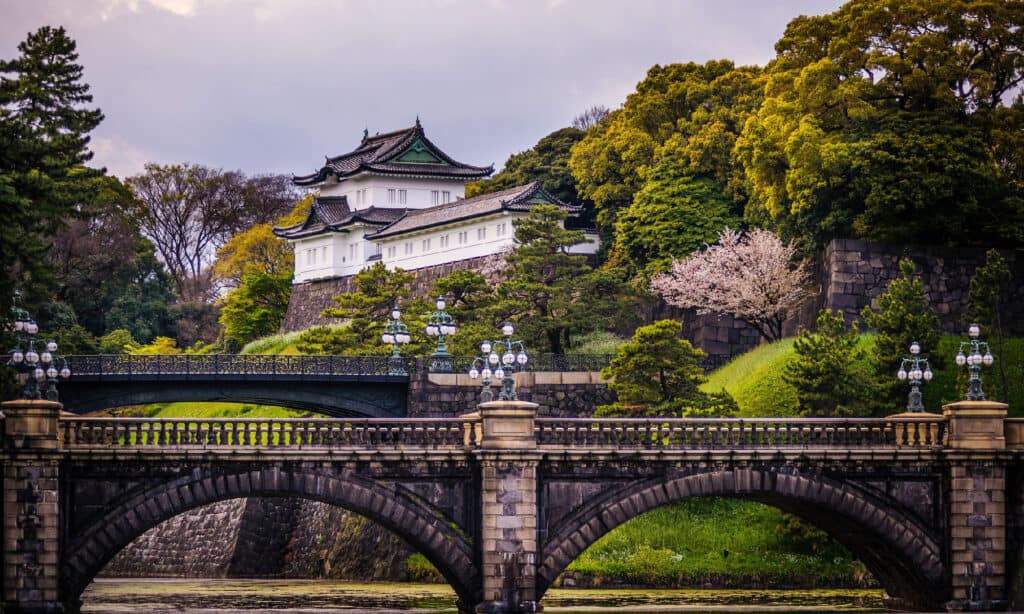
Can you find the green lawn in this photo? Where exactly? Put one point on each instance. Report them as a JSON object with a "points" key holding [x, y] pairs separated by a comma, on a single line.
{"points": [[722, 541]]}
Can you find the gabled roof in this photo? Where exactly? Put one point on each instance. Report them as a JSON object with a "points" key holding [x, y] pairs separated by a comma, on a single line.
{"points": [[403, 152], [519, 198], [331, 213]]}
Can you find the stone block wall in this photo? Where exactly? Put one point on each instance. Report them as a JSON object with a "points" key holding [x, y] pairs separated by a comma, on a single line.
{"points": [[198, 543], [567, 394], [853, 273], [263, 538]]}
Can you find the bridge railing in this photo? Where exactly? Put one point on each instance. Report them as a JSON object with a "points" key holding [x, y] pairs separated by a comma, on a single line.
{"points": [[358, 433], [734, 433], [148, 366]]}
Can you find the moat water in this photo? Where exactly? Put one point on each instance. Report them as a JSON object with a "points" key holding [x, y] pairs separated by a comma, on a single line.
{"points": [[121, 596]]}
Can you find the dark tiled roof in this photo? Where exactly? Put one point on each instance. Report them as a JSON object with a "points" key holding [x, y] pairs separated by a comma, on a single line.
{"points": [[377, 154], [331, 213], [519, 198]]}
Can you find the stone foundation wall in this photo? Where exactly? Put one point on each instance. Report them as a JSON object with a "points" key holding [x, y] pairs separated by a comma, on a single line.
{"points": [[566, 394], [265, 538], [853, 273], [199, 543], [309, 299]]}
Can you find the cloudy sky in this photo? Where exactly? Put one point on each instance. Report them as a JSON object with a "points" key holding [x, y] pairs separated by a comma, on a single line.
{"points": [[274, 85]]}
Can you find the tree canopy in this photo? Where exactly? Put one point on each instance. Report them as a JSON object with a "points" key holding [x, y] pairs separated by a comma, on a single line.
{"points": [[892, 120]]}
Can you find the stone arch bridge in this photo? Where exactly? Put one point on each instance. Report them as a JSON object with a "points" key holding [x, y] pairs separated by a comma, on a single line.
{"points": [[501, 501]]}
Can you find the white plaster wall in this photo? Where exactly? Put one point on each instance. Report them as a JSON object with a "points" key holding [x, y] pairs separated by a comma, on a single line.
{"points": [[587, 248], [473, 247], [418, 191], [347, 253]]}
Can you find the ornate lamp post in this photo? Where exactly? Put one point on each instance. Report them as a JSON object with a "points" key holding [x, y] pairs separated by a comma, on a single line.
{"points": [[480, 369], [441, 325], [970, 356], [915, 369], [396, 334], [33, 367], [503, 357]]}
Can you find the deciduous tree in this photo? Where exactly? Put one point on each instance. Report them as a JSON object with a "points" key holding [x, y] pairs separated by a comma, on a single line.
{"points": [[190, 210], [256, 308], [752, 276], [894, 121]]}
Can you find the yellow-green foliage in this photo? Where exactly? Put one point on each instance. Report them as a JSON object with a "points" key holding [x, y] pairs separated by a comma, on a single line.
{"points": [[220, 410], [420, 569]]}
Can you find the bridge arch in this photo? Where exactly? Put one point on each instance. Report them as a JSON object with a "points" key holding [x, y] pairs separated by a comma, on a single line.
{"points": [[903, 556], [426, 529]]}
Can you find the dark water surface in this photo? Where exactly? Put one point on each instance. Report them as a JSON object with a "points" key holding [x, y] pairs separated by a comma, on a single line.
{"points": [[119, 596]]}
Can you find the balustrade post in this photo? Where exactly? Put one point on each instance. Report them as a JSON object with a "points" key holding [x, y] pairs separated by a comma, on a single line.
{"points": [[977, 494], [508, 459], [31, 504]]}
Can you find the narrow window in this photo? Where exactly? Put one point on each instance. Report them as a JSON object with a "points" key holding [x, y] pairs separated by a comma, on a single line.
{"points": [[446, 196], [402, 196], [391, 196], [433, 197]]}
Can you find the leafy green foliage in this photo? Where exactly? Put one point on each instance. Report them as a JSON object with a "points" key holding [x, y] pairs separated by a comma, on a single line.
{"points": [[160, 345], [825, 369], [257, 307], [546, 162], [672, 215], [107, 272], [659, 374], [119, 341], [73, 340], [689, 112], [873, 127], [902, 317]]}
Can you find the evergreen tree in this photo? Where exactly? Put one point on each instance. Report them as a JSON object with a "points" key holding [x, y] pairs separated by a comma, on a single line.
{"points": [[984, 300], [659, 374], [367, 310], [44, 128], [541, 276], [825, 369], [902, 317]]}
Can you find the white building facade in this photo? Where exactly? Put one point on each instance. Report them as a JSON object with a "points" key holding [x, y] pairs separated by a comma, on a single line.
{"points": [[399, 200]]}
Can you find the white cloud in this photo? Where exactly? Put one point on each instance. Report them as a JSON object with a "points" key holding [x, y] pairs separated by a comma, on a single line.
{"points": [[119, 157]]}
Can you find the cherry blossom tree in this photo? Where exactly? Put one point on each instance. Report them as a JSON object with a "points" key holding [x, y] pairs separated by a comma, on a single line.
{"points": [[752, 276]]}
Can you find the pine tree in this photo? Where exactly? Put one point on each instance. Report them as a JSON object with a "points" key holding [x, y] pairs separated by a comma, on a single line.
{"points": [[659, 374], [902, 317], [541, 276], [824, 369], [984, 300], [44, 128]]}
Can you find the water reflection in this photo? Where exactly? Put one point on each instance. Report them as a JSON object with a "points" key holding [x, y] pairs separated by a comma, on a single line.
{"points": [[117, 596]]}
